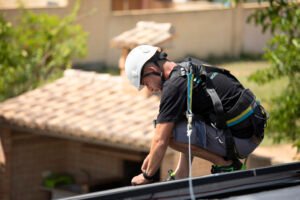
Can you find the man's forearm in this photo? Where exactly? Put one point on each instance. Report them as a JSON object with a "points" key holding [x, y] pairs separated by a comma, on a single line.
{"points": [[159, 146], [156, 155]]}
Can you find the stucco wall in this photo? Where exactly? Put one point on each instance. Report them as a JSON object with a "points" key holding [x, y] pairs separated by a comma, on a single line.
{"points": [[253, 38], [201, 31]]}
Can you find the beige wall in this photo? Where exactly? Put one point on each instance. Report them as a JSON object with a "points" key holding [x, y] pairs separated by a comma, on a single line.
{"points": [[253, 39], [200, 32]]}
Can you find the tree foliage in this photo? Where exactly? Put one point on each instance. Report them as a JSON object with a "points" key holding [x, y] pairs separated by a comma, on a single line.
{"points": [[37, 49], [282, 18]]}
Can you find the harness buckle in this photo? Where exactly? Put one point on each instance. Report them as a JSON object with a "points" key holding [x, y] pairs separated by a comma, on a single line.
{"points": [[189, 117], [182, 71]]}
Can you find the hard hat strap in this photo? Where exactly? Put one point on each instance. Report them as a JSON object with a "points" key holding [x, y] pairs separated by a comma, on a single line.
{"points": [[159, 55], [151, 73]]}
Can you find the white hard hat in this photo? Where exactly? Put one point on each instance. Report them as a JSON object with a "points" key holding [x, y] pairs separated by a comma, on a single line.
{"points": [[135, 61]]}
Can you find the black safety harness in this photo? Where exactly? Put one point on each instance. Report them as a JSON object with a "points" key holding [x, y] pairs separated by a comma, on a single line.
{"points": [[219, 117]]}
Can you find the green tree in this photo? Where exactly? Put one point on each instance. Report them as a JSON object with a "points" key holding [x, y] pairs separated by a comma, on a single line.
{"points": [[282, 18], [37, 50]]}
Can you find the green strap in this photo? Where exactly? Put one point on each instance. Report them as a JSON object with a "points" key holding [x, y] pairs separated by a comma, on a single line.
{"points": [[189, 113]]}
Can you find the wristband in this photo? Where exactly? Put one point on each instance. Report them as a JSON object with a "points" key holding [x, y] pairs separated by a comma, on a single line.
{"points": [[149, 178]]}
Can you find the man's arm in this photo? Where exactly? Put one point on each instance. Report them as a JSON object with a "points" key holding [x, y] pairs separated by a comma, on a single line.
{"points": [[182, 169], [158, 149]]}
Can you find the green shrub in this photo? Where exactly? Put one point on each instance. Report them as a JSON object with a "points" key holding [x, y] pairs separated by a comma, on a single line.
{"points": [[36, 50], [282, 18]]}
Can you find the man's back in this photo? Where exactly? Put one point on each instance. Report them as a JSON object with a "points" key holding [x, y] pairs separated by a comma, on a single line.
{"points": [[173, 100]]}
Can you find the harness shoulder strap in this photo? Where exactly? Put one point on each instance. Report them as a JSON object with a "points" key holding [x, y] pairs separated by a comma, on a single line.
{"points": [[220, 116], [201, 72], [221, 71], [210, 68]]}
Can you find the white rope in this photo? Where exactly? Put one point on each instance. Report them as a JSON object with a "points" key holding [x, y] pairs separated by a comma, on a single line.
{"points": [[191, 188], [189, 115]]}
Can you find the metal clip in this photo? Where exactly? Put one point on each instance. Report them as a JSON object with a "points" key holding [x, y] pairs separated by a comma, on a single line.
{"points": [[189, 117], [182, 71]]}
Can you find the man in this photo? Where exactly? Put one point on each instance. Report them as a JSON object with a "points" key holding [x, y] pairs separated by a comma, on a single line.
{"points": [[228, 123]]}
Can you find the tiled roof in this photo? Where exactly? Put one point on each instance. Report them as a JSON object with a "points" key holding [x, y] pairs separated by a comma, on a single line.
{"points": [[151, 33], [87, 106]]}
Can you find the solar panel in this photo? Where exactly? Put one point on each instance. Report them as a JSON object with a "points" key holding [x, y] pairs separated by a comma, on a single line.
{"points": [[279, 178]]}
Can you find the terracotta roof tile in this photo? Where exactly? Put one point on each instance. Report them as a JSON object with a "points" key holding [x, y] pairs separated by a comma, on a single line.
{"points": [[87, 106], [151, 33]]}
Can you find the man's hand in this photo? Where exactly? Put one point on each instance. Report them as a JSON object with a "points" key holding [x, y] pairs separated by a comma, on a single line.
{"points": [[158, 148], [139, 180]]}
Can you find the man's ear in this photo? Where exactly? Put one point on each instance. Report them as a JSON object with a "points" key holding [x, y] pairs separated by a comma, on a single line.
{"points": [[154, 67]]}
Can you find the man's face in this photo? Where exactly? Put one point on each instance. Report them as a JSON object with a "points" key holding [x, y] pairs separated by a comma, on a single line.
{"points": [[151, 78]]}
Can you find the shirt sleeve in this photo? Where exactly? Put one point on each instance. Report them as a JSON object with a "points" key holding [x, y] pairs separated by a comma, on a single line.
{"points": [[173, 102]]}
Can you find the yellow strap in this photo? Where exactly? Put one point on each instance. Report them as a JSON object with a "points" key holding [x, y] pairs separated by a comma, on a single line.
{"points": [[239, 116]]}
